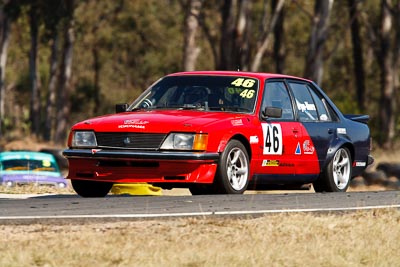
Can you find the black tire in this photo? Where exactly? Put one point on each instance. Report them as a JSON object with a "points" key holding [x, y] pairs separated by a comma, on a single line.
{"points": [[233, 170], [336, 176], [201, 189], [86, 188]]}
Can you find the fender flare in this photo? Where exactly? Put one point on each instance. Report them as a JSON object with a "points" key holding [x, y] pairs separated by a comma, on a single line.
{"points": [[238, 136], [340, 141]]}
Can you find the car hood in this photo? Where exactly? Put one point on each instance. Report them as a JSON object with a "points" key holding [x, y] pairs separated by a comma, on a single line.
{"points": [[158, 121]]}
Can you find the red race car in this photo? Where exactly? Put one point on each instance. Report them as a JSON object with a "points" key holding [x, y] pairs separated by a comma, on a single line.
{"points": [[221, 132]]}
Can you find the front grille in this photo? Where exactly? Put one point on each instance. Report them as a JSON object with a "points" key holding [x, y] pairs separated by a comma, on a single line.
{"points": [[150, 141], [138, 164]]}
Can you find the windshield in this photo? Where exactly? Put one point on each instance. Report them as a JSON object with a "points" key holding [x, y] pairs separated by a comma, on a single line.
{"points": [[29, 165], [216, 93]]}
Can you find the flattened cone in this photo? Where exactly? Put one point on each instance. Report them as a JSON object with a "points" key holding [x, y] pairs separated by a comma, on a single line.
{"points": [[136, 189]]}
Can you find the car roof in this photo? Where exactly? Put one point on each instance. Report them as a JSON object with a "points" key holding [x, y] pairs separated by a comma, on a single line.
{"points": [[259, 75], [9, 155]]}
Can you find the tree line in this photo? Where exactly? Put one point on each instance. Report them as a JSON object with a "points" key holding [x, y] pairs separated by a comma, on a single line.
{"points": [[65, 60]]}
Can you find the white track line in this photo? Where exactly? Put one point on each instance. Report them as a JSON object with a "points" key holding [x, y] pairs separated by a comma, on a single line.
{"points": [[189, 214]]}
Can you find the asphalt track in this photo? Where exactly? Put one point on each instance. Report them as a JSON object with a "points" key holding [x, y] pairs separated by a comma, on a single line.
{"points": [[67, 208]]}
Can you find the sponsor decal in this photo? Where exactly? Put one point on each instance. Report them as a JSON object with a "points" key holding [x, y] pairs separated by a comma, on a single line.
{"points": [[254, 139], [305, 106], [360, 163], [270, 163], [308, 148], [286, 164], [135, 126], [237, 122], [341, 131], [276, 163], [298, 149], [46, 163], [323, 117], [135, 123]]}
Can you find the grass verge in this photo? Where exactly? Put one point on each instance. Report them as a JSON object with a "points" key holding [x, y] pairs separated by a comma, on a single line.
{"points": [[365, 238]]}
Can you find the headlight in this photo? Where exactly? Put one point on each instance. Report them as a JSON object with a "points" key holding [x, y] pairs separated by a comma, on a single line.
{"points": [[186, 141], [84, 139]]}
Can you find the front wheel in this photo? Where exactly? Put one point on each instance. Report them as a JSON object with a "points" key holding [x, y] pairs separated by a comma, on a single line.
{"points": [[336, 176], [86, 188], [201, 189], [233, 170]]}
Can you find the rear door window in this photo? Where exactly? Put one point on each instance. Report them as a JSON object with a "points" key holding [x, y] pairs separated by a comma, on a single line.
{"points": [[310, 106]]}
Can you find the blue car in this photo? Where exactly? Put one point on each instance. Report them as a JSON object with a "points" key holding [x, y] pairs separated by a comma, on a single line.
{"points": [[25, 167]]}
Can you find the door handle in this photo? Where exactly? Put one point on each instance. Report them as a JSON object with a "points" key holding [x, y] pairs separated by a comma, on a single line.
{"points": [[330, 131], [295, 132]]}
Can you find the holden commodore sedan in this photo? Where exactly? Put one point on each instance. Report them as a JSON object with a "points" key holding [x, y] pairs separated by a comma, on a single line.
{"points": [[223, 132]]}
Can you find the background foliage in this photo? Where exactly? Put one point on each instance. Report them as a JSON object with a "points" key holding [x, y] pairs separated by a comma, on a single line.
{"points": [[122, 47]]}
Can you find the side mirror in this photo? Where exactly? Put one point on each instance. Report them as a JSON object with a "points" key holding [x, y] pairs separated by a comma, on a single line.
{"points": [[271, 112], [121, 107]]}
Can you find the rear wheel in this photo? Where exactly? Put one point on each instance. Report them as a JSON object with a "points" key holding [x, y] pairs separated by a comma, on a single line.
{"points": [[86, 188], [336, 176], [233, 170]]}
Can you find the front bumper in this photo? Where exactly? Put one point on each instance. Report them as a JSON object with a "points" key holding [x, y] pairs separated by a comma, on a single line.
{"points": [[56, 183], [139, 155], [125, 166]]}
